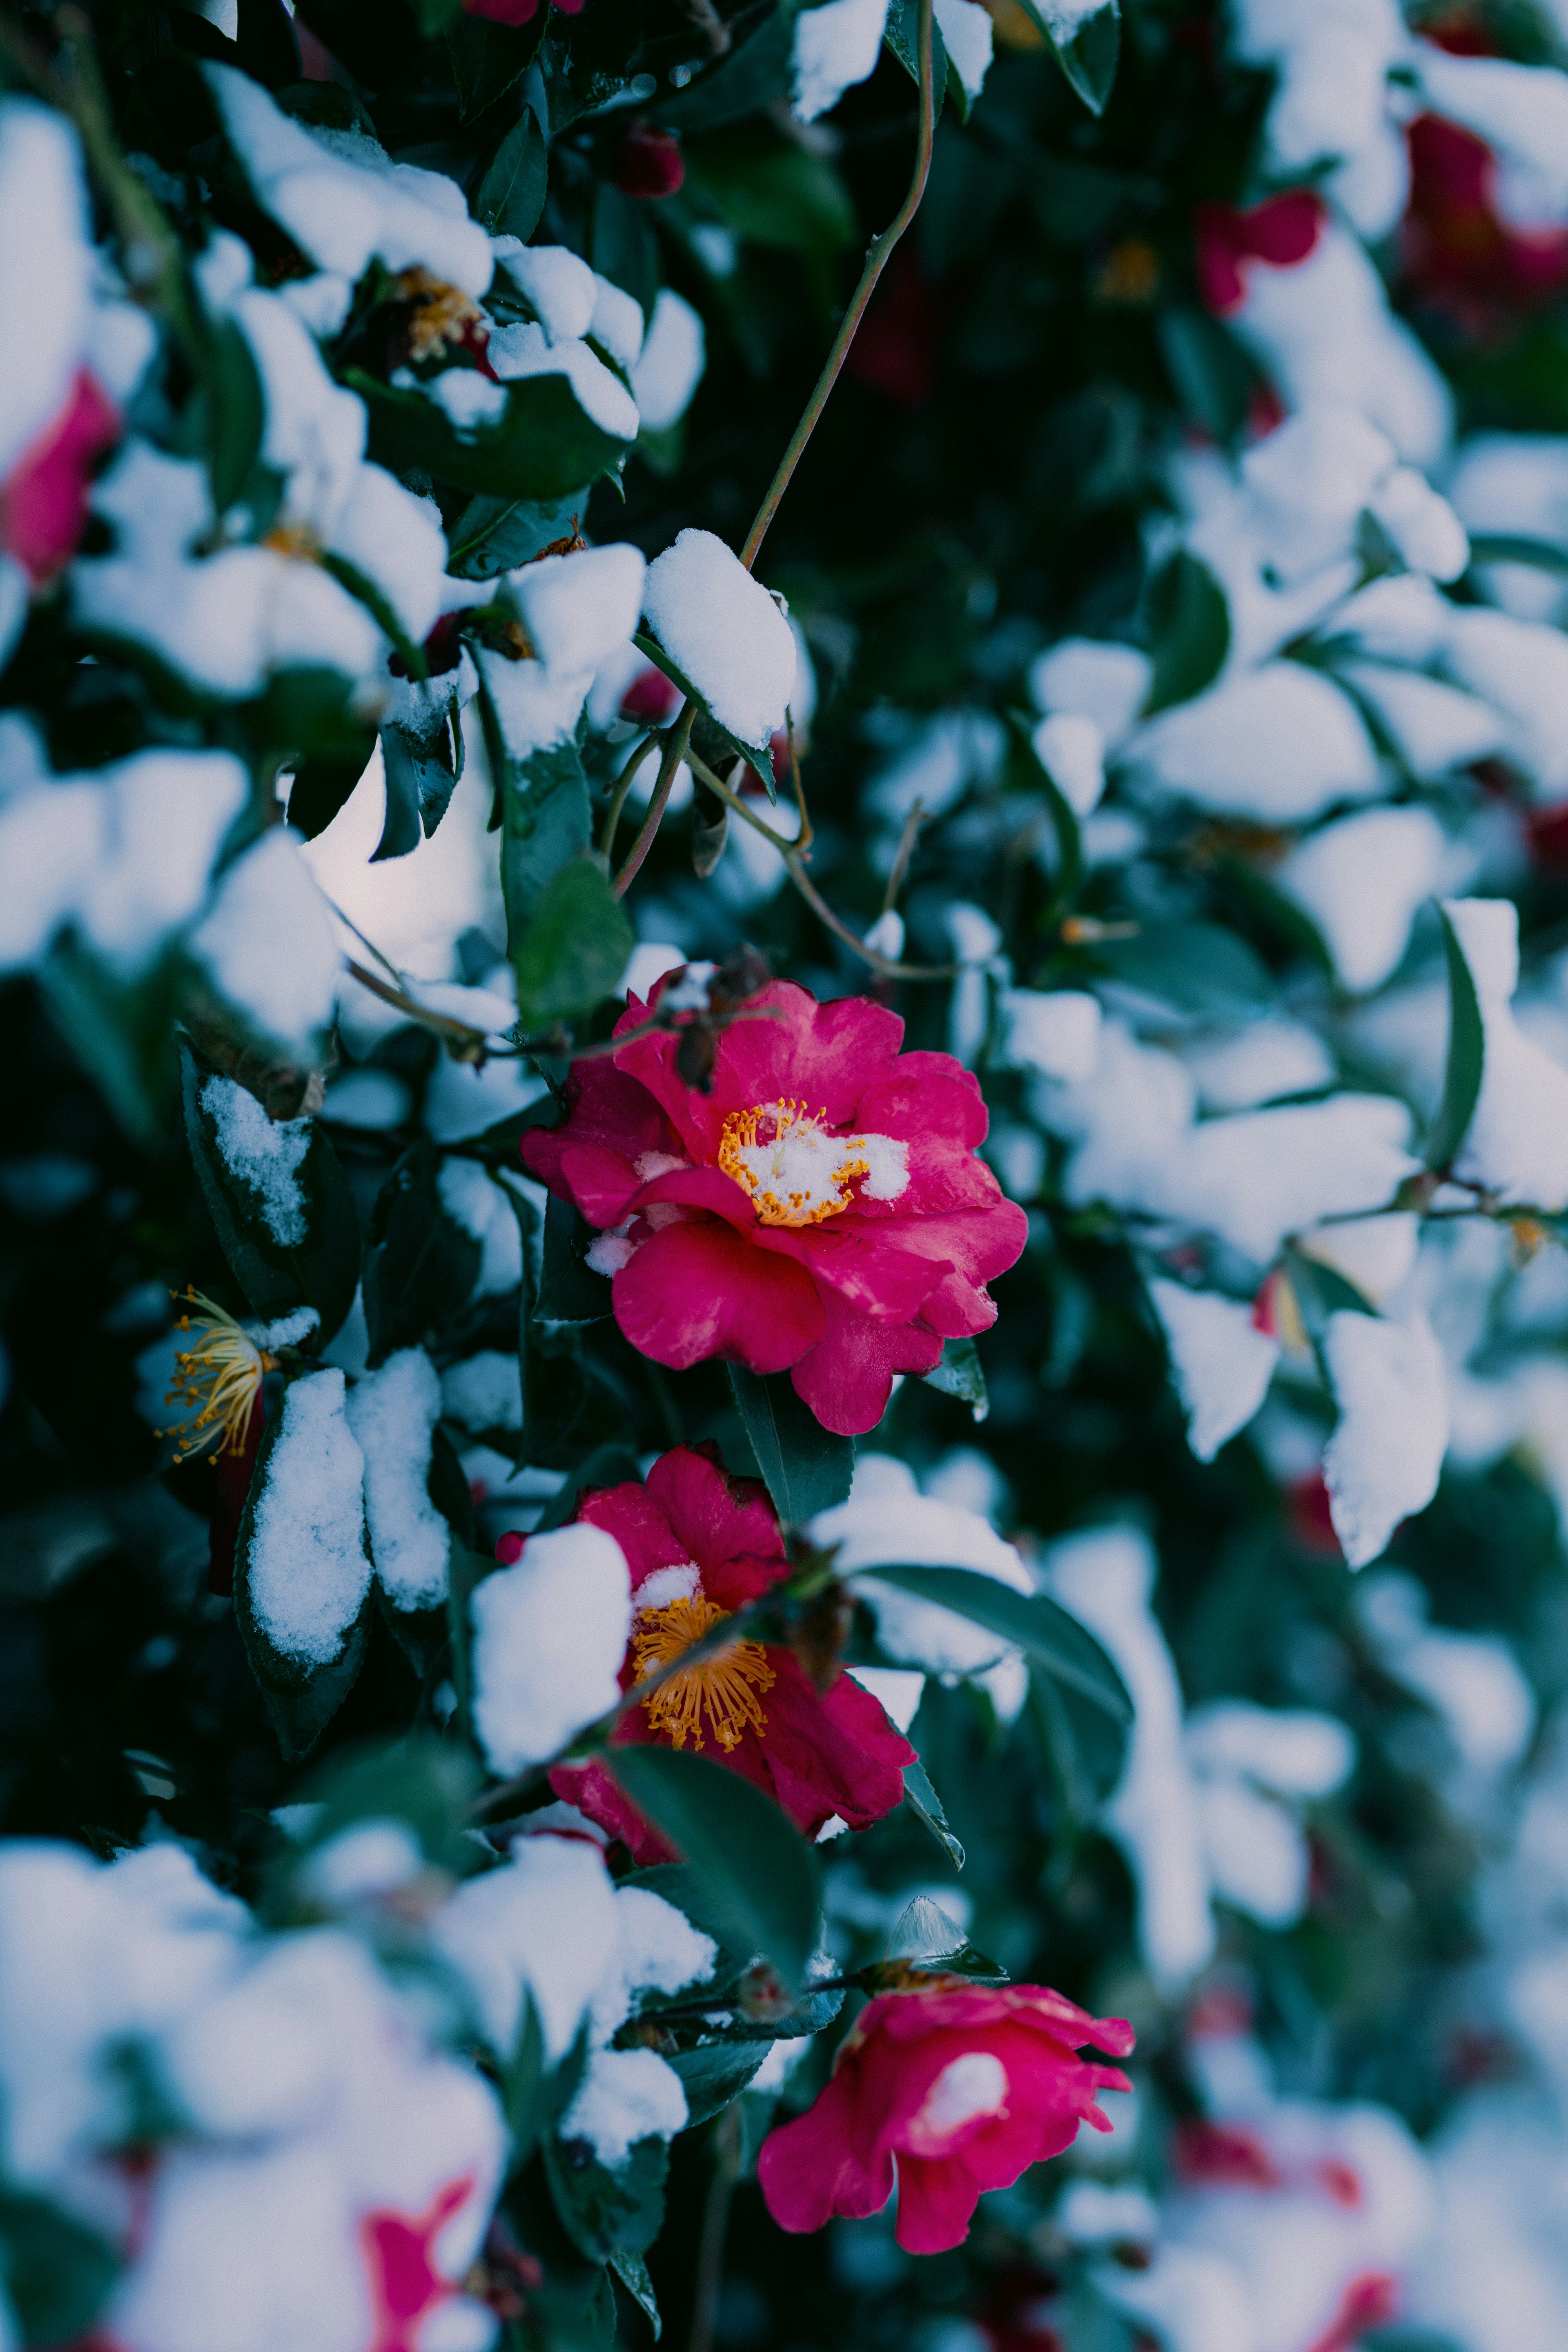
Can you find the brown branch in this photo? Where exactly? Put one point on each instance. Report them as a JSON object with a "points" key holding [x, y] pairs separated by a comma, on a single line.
{"points": [[675, 745]]}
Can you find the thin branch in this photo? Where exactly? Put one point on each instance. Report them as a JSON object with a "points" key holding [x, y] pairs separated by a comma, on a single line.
{"points": [[674, 748], [623, 786], [876, 262], [906, 850], [369, 945]]}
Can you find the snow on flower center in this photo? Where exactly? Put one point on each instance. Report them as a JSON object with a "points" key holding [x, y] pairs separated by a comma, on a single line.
{"points": [[797, 1173], [217, 1381], [722, 1686], [972, 2089]]}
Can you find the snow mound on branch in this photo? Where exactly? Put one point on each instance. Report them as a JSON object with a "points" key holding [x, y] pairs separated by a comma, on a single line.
{"points": [[887, 1521], [343, 200], [549, 1637], [723, 630], [1383, 1461], [624, 2095], [1222, 1364], [392, 1413], [309, 1570], [266, 1154]]}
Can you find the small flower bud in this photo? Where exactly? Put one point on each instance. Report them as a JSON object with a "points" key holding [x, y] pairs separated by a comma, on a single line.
{"points": [[650, 163]]}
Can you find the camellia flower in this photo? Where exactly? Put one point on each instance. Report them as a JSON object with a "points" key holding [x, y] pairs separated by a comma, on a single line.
{"points": [[952, 2088], [699, 1545], [43, 500], [216, 1380], [820, 1209]]}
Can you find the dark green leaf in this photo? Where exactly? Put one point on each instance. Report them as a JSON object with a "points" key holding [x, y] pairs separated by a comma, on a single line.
{"points": [[543, 446], [901, 37], [575, 947], [487, 58], [238, 411], [420, 1268], [511, 196], [623, 247], [1039, 1626], [1202, 967], [734, 1839], [1085, 1750], [266, 48], [1213, 376], [494, 535], [632, 2272], [771, 191], [546, 818], [740, 84], [55, 2273], [325, 105], [569, 1291], [926, 1806], [715, 2075], [1515, 547], [319, 791], [605, 2212], [959, 1374], [1467, 1056], [1189, 625], [1087, 52], [758, 756], [522, 2084], [806, 1468], [1402, 2338]]}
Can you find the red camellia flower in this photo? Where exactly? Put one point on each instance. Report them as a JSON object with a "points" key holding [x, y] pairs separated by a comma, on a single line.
{"points": [[43, 501], [648, 162], [820, 1209], [953, 2089], [517, 12], [1282, 232], [701, 1545]]}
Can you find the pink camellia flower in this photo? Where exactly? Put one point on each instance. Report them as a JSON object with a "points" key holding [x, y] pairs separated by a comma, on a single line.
{"points": [[699, 1545], [820, 1210], [43, 501], [952, 2089], [517, 12]]}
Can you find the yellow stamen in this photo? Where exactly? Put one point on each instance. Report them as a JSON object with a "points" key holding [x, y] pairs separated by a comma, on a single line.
{"points": [[443, 314], [795, 1172], [723, 1686], [217, 1381]]}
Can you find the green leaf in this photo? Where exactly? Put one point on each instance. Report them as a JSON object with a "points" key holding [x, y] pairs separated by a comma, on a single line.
{"points": [[1085, 1751], [1201, 967], [420, 781], [607, 1466], [736, 1840], [55, 2271], [569, 1291], [1213, 376], [544, 446], [625, 249], [546, 817], [632, 2272], [603, 2213], [901, 39], [926, 1938], [771, 192], [510, 198], [323, 1270], [575, 947], [926, 1806], [268, 49], [716, 2075], [301, 1698], [522, 2084], [319, 791], [1516, 547], [1039, 1625], [420, 1268], [495, 535], [740, 84], [1086, 47], [1189, 623], [487, 58], [959, 1374], [1467, 1056], [236, 411], [805, 1468]]}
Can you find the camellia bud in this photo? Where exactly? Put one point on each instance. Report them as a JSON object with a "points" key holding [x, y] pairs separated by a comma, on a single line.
{"points": [[650, 163], [763, 1994]]}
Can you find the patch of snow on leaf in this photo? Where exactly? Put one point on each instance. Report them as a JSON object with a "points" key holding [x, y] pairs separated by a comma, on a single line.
{"points": [[723, 631], [266, 1154], [836, 45], [1280, 744], [45, 269], [1221, 1362], [966, 35], [545, 1924], [578, 608], [308, 1571], [625, 2095], [268, 943], [485, 1391], [1361, 880], [556, 283], [392, 1413], [887, 1520], [549, 1637], [668, 369], [525, 350], [1382, 1463], [1516, 1143]]}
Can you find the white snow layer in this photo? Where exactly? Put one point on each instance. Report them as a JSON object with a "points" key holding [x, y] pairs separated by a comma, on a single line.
{"points": [[1054, 1031], [624, 2095], [266, 1154], [546, 1924], [1517, 1145], [556, 283], [578, 608], [1222, 1364], [1280, 742], [526, 350], [1361, 880], [392, 1413], [309, 1570], [668, 369], [966, 35], [1383, 1461], [723, 631], [484, 1390], [268, 943], [45, 272], [836, 45], [887, 1519], [343, 200], [549, 1637]]}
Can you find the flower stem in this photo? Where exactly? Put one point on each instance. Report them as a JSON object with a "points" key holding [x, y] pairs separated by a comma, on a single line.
{"points": [[675, 744], [876, 262], [623, 786]]}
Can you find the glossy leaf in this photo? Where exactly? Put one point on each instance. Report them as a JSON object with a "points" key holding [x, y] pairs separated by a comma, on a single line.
{"points": [[1189, 623], [1087, 44], [1039, 1625], [542, 447], [632, 2272], [960, 1374], [926, 1806], [1467, 1056], [575, 947], [805, 1468], [603, 2213]]}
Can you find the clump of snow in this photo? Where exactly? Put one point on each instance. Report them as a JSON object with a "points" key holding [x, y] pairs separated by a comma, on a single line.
{"points": [[668, 369], [268, 943], [308, 1571], [967, 34], [887, 1519], [343, 200], [1517, 1144], [1376, 1253], [1259, 1063], [484, 1390], [45, 276], [1382, 1463], [556, 283], [266, 1154], [836, 45], [1071, 749], [723, 630], [1221, 1362], [1252, 1766], [549, 1637], [578, 608], [625, 2095], [465, 398], [618, 324], [1054, 1031], [1280, 742], [473, 1199], [1472, 1679], [525, 350], [1361, 880], [546, 1923], [1521, 668], [1092, 679], [392, 1413], [658, 1950], [371, 1858], [1434, 728]]}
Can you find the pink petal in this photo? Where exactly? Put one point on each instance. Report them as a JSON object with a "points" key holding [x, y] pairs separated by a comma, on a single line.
{"points": [[715, 1517], [848, 1378], [808, 2173], [43, 504], [600, 1180], [699, 1290], [880, 1273]]}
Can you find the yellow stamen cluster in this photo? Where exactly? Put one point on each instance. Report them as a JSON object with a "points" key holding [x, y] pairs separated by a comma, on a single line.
{"points": [[217, 1381], [723, 1688], [796, 1173], [442, 314]]}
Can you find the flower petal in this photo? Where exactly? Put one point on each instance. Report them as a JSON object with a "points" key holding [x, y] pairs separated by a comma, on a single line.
{"points": [[848, 1378], [697, 1290]]}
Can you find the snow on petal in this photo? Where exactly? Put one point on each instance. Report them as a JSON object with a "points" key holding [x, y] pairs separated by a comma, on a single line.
{"points": [[1382, 1463], [1517, 1142], [1221, 1362], [549, 1637]]}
